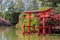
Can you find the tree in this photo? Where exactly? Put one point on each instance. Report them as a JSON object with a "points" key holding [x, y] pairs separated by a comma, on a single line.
{"points": [[12, 12], [52, 3], [1, 8]]}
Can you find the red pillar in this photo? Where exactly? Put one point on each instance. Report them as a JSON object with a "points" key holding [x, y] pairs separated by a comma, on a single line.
{"points": [[49, 31], [43, 25], [29, 18], [38, 24], [38, 30]]}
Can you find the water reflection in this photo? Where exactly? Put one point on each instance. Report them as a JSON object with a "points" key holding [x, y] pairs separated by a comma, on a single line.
{"points": [[3, 36], [18, 33], [33, 36], [19, 36], [6, 34], [23, 37], [48, 37], [28, 37], [43, 37], [38, 37], [2, 33]]}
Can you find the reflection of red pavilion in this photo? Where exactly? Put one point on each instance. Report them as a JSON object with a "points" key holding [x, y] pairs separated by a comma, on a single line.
{"points": [[41, 14]]}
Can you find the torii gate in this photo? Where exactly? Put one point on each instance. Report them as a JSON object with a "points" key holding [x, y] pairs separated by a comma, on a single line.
{"points": [[43, 14]]}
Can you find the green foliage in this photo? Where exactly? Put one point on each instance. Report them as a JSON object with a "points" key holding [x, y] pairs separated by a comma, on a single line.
{"points": [[54, 4], [15, 18], [12, 14], [1, 14], [8, 16], [12, 17], [34, 22], [57, 8], [43, 8]]}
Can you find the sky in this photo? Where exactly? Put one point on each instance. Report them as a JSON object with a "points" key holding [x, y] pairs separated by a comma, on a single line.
{"points": [[3, 1]]}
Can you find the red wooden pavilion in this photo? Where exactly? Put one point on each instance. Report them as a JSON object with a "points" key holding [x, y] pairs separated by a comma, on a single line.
{"points": [[43, 14]]}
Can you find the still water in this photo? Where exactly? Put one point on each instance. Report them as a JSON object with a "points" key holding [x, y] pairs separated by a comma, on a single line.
{"points": [[9, 33]]}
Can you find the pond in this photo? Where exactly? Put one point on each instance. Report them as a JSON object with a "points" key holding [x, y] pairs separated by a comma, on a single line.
{"points": [[9, 33]]}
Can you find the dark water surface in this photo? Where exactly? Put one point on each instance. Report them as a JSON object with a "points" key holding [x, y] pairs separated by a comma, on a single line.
{"points": [[9, 33]]}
